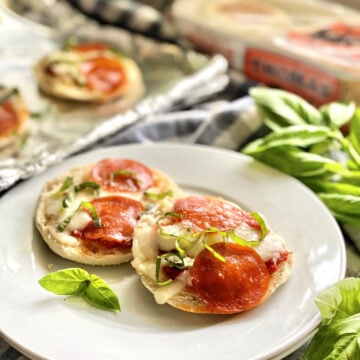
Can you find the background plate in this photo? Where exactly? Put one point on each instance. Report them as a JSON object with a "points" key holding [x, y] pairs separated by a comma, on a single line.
{"points": [[43, 325]]}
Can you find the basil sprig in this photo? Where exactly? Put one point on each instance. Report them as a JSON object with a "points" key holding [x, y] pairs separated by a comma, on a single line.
{"points": [[308, 143], [78, 282]]}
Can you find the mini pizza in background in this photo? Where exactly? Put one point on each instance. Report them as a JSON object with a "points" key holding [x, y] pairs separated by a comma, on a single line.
{"points": [[203, 254], [13, 117], [88, 214], [89, 72]]}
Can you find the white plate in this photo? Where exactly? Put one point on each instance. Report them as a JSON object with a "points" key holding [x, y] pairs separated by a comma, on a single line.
{"points": [[43, 325]]}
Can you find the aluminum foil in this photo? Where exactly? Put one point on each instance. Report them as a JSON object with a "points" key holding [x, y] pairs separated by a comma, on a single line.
{"points": [[175, 77]]}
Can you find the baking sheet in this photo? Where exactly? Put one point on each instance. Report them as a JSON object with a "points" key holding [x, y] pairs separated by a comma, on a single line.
{"points": [[59, 128]]}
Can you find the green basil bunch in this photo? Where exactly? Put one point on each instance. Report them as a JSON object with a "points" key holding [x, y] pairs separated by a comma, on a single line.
{"points": [[309, 143]]}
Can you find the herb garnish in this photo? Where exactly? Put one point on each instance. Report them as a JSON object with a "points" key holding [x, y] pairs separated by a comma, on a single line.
{"points": [[129, 173], [69, 190], [84, 204], [187, 238], [78, 282], [159, 196]]}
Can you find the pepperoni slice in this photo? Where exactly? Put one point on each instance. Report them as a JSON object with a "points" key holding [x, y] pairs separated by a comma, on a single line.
{"points": [[122, 175], [202, 213], [103, 74], [118, 216], [238, 284], [9, 120]]}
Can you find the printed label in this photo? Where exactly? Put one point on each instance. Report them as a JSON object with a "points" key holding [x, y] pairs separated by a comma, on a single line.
{"points": [[340, 41], [309, 82]]}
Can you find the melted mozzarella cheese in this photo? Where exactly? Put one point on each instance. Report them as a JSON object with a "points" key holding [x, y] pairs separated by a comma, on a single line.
{"points": [[163, 294], [271, 247]]}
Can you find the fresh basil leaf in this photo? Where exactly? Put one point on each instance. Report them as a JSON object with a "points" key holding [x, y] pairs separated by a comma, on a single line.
{"points": [[337, 114], [345, 218], [296, 135], [296, 162], [342, 203], [282, 108], [349, 177], [339, 333], [326, 186], [340, 300], [355, 131], [65, 282], [99, 294], [76, 281], [339, 340]]}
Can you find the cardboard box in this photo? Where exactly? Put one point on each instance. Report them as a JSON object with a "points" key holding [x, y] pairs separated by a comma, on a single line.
{"points": [[311, 48]]}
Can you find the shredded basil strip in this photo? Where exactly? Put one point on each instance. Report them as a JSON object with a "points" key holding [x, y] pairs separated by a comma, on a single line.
{"points": [[68, 182], [68, 199], [77, 188], [161, 230], [93, 212], [62, 226], [241, 241], [159, 196], [94, 215], [214, 253], [130, 173], [261, 222], [157, 273], [7, 94], [175, 260]]}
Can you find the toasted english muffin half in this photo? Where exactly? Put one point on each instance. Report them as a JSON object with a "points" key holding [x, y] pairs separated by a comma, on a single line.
{"points": [[14, 116], [90, 73], [203, 254], [88, 213]]}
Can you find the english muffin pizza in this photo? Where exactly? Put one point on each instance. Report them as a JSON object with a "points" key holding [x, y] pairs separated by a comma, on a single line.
{"points": [[203, 254], [13, 117], [89, 72], [88, 214]]}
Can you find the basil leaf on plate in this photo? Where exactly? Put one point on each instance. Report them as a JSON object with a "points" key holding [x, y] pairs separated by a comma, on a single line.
{"points": [[99, 294], [65, 282], [78, 282]]}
